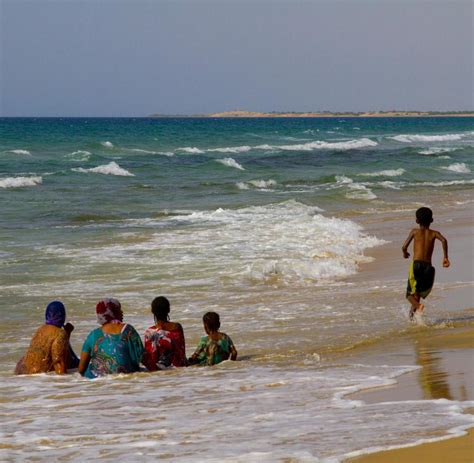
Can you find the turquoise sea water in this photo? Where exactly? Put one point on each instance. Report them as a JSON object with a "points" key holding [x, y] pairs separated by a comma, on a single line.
{"points": [[258, 219]]}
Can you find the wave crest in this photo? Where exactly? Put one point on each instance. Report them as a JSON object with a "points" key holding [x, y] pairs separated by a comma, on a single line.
{"points": [[229, 162], [458, 167], [427, 138], [19, 182], [107, 169]]}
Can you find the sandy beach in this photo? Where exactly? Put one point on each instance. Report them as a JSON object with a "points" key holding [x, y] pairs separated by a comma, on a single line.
{"points": [[446, 371]]}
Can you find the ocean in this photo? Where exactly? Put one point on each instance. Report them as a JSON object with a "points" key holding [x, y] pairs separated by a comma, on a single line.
{"points": [[266, 221]]}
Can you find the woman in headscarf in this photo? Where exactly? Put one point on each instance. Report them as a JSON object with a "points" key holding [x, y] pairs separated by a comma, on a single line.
{"points": [[164, 341], [115, 347], [50, 349]]}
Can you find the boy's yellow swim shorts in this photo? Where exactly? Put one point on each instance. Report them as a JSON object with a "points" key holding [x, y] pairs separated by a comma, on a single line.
{"points": [[420, 278]]}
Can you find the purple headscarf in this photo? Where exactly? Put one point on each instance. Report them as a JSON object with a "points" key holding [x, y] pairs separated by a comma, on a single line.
{"points": [[55, 314], [109, 311]]}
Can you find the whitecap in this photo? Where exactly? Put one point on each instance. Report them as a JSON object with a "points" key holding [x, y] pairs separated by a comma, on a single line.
{"points": [[260, 184], [385, 173], [79, 155], [356, 190], [231, 149], [107, 169], [163, 153], [19, 182], [107, 144], [446, 183], [359, 191], [391, 185], [191, 150], [229, 162], [24, 152], [339, 146], [426, 138], [458, 167], [242, 186]]}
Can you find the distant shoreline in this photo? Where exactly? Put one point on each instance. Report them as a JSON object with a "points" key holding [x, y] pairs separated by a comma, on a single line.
{"points": [[252, 114]]}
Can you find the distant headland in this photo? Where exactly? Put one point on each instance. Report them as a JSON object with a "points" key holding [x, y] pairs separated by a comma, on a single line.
{"points": [[253, 114]]}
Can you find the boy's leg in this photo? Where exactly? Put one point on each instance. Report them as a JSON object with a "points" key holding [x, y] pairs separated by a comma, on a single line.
{"points": [[414, 300]]}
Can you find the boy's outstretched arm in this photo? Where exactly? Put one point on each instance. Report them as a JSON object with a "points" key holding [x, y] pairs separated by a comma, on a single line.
{"points": [[444, 243], [407, 242]]}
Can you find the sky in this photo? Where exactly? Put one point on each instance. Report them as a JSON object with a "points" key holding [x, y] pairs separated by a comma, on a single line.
{"points": [[137, 57]]}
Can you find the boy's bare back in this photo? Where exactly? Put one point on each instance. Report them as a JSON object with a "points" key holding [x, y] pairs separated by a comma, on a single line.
{"points": [[423, 244]]}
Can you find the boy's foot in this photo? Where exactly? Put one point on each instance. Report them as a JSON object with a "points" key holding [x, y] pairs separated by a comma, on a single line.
{"points": [[412, 313]]}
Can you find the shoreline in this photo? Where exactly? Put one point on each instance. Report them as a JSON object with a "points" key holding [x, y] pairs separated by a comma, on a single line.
{"points": [[442, 371]]}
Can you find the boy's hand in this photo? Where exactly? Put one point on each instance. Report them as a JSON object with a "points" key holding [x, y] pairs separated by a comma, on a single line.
{"points": [[446, 262], [406, 254]]}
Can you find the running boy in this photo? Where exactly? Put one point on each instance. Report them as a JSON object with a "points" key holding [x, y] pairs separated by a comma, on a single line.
{"points": [[421, 274]]}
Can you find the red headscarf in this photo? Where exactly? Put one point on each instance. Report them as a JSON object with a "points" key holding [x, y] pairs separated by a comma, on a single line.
{"points": [[109, 311]]}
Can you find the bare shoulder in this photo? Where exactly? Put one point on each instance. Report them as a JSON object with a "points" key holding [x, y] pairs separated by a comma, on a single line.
{"points": [[437, 234]]}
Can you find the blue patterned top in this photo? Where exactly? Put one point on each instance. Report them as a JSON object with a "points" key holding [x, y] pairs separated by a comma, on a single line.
{"points": [[113, 353]]}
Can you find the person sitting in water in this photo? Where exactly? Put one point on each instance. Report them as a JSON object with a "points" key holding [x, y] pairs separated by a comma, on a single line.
{"points": [[50, 349], [164, 341], [115, 347], [216, 346]]}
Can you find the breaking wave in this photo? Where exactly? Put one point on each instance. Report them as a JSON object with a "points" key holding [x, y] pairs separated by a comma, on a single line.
{"points": [[385, 173], [24, 152], [191, 150], [229, 162], [19, 182], [107, 169], [107, 144], [427, 138], [322, 145], [458, 167], [260, 184]]}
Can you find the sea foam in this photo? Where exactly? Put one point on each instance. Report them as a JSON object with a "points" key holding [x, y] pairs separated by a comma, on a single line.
{"points": [[107, 144], [356, 190], [79, 155], [231, 149], [385, 173], [426, 138], [458, 167], [191, 150], [229, 162], [24, 152], [19, 182], [323, 145], [107, 169]]}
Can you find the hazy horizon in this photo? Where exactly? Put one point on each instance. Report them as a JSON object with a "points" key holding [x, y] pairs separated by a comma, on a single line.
{"points": [[123, 58]]}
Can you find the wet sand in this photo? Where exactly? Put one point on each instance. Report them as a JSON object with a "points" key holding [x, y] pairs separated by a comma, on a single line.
{"points": [[445, 357]]}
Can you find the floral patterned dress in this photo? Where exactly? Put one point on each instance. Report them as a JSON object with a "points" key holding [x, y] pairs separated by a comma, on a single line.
{"points": [[165, 348], [210, 352], [113, 353]]}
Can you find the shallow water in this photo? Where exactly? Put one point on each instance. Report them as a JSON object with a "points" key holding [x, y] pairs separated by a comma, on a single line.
{"points": [[268, 222]]}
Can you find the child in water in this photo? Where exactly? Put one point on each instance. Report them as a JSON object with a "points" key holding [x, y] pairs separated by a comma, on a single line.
{"points": [[216, 346], [421, 273]]}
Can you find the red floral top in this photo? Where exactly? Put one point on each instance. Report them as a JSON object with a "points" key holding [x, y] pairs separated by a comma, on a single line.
{"points": [[165, 348]]}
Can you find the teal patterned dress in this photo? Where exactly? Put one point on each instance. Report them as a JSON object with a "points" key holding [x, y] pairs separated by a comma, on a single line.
{"points": [[113, 353]]}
